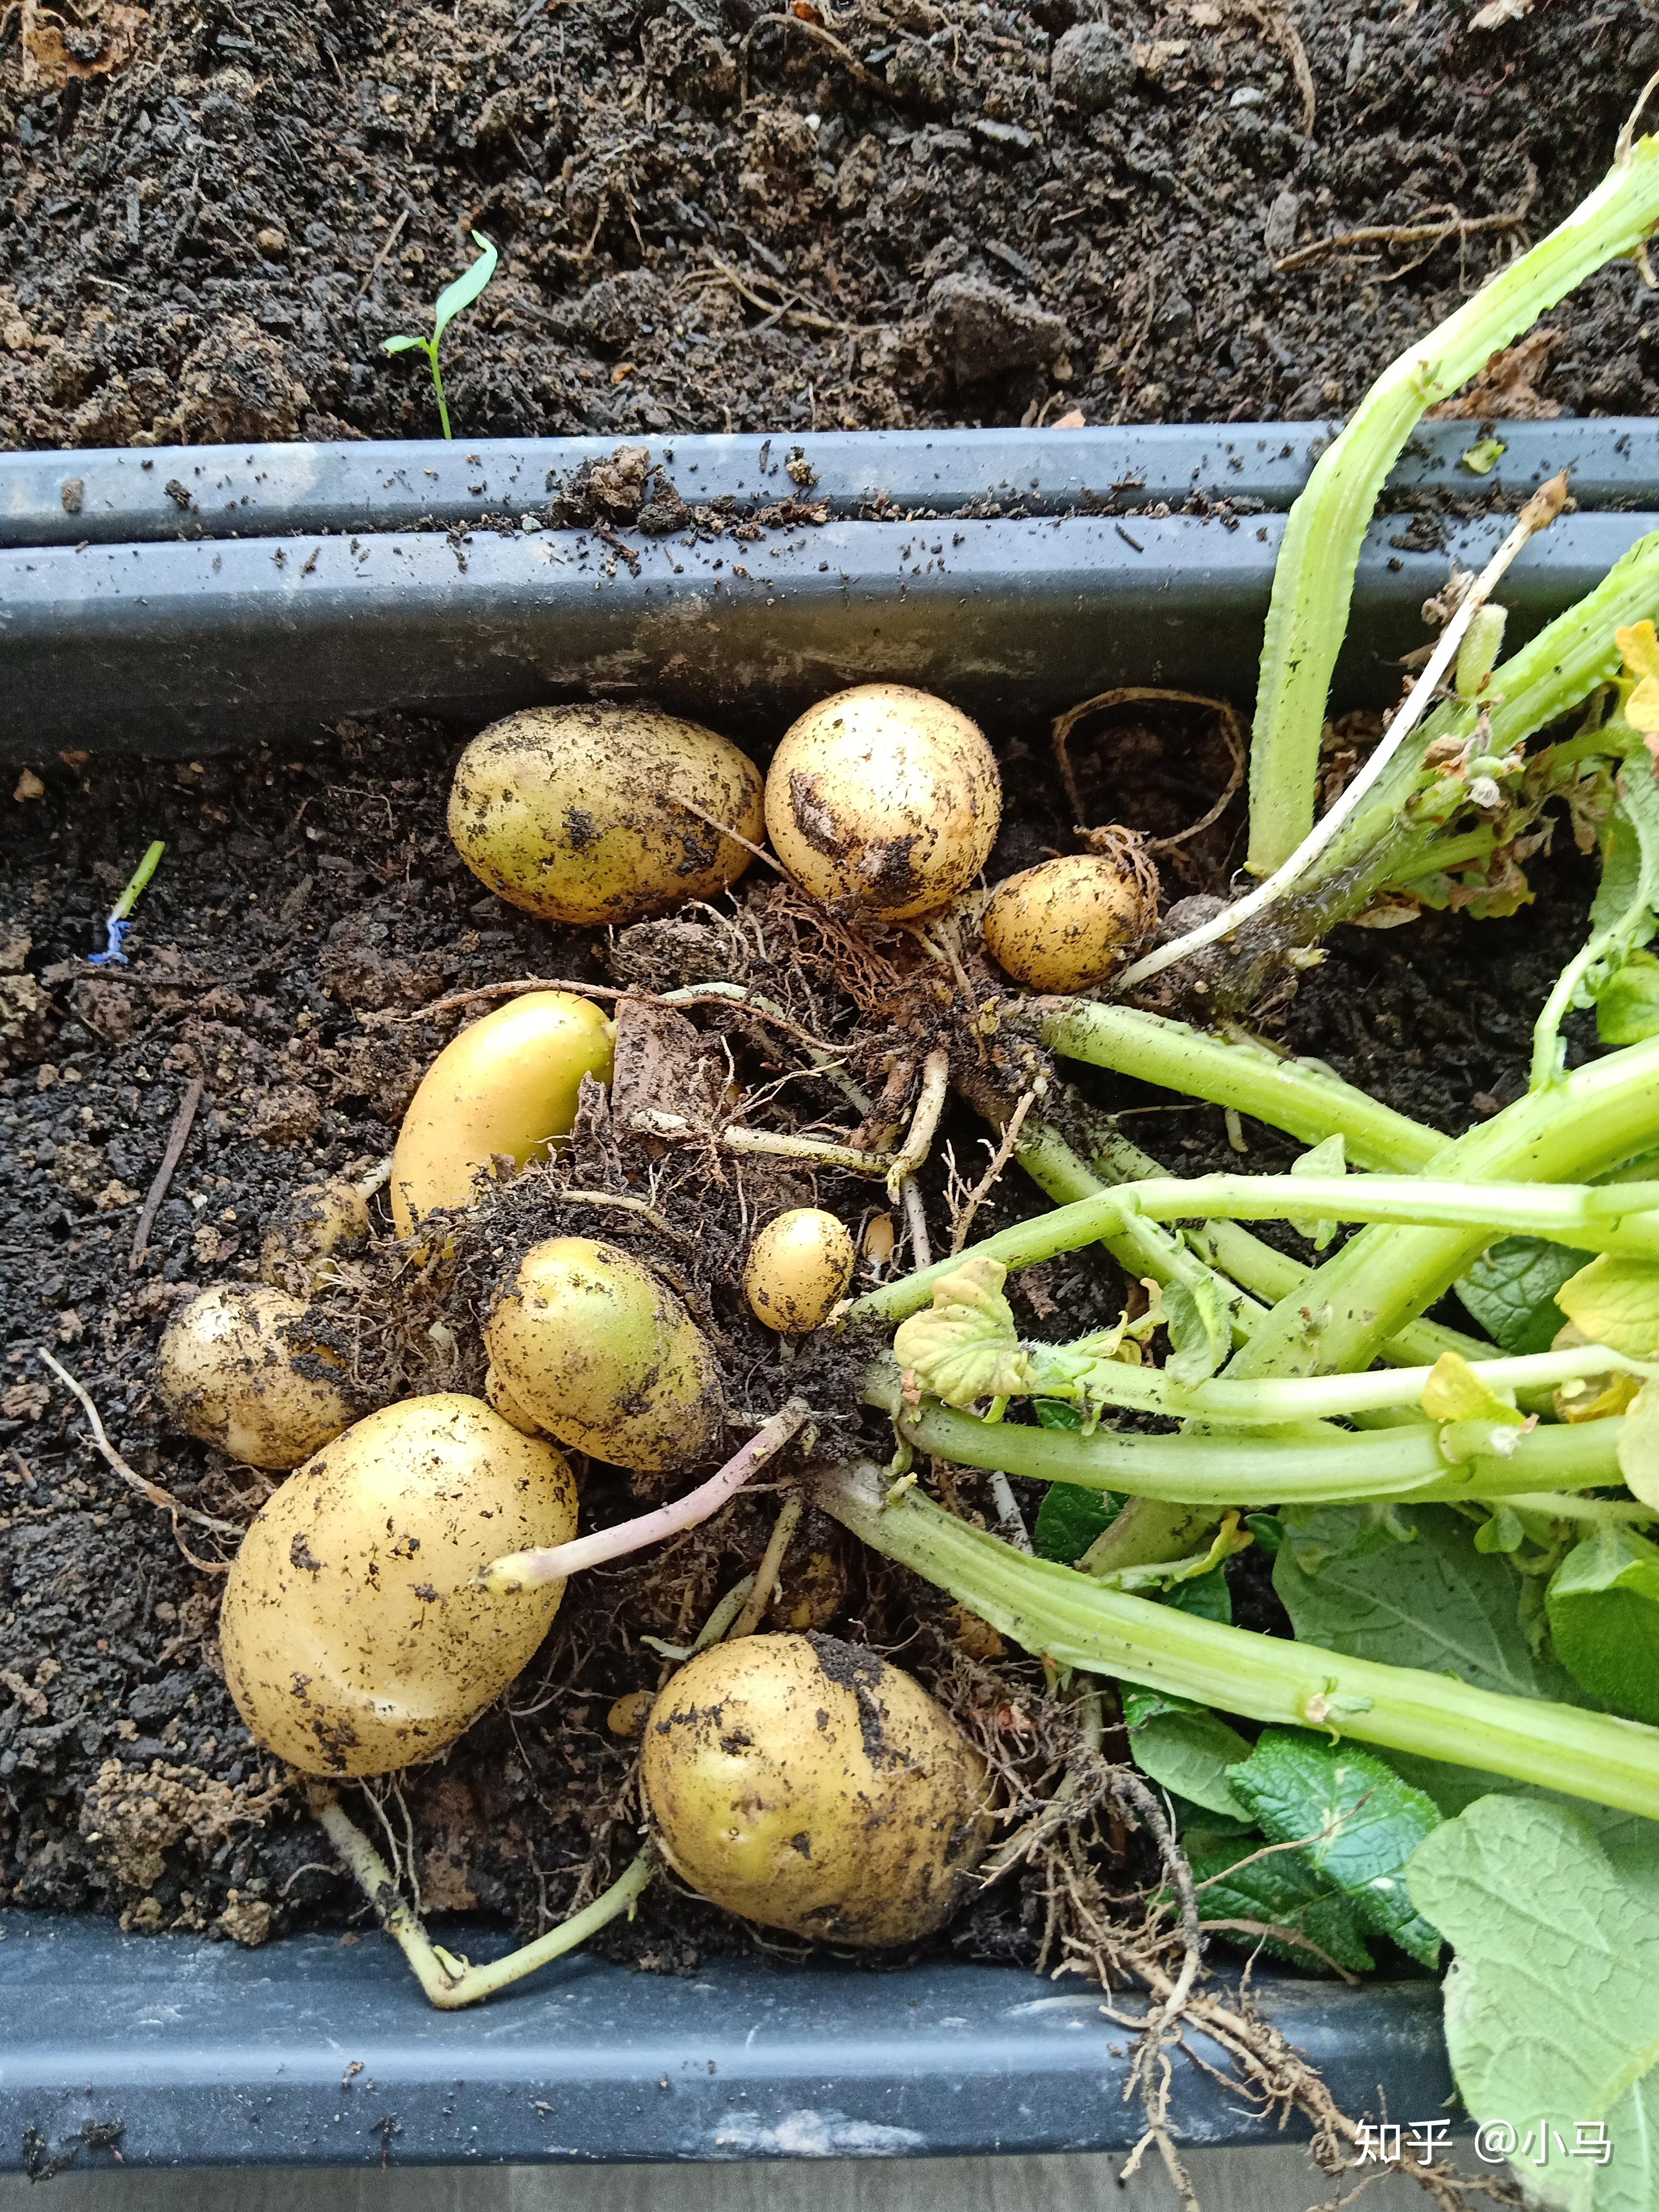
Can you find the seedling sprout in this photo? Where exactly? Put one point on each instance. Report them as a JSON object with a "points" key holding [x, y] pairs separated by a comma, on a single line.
{"points": [[454, 297]]}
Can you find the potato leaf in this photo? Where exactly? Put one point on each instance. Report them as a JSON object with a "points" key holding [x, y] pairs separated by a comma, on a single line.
{"points": [[1627, 1008], [1283, 1892], [1207, 1596], [1638, 1448], [1435, 1602], [964, 1346], [1509, 1292], [1069, 1518], [1457, 1392], [1184, 1748], [1553, 2004], [1603, 1606], [1357, 1821], [1328, 1158], [1200, 1330], [1615, 1301]]}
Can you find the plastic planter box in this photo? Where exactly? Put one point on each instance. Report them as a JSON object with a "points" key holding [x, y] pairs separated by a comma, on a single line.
{"points": [[174, 601]]}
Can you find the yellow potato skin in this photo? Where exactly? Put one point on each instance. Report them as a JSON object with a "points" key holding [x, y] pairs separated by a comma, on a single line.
{"points": [[354, 1639], [883, 798], [600, 1353], [797, 1266], [805, 1784], [1064, 925], [225, 1371], [568, 812], [508, 1084], [297, 1253]]}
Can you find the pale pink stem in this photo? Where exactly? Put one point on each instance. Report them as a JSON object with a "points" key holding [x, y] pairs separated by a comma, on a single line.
{"points": [[556, 1562]]}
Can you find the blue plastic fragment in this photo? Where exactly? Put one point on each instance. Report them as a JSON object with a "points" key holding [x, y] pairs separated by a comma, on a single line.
{"points": [[111, 956]]}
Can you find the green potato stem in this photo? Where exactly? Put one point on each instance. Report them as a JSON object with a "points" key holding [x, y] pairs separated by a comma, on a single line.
{"points": [[1073, 1620], [1312, 582]]}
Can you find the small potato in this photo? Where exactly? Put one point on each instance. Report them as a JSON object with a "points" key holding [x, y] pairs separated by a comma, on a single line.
{"points": [[506, 1088], [304, 1233], [807, 1784], [600, 1353], [229, 1371], [799, 1266], [355, 1637], [883, 798], [569, 811], [1064, 925]]}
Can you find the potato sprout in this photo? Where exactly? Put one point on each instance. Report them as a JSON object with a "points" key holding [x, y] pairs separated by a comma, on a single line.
{"points": [[356, 1636]]}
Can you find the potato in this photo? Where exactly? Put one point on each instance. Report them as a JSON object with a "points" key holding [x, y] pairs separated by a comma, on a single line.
{"points": [[229, 1371], [807, 1784], [799, 1266], [306, 1230], [569, 811], [505, 1088], [497, 1395], [1064, 925], [883, 798], [355, 1636], [600, 1353]]}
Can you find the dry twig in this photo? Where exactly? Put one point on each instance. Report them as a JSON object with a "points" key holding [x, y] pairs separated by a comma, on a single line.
{"points": [[152, 1492], [178, 1138]]}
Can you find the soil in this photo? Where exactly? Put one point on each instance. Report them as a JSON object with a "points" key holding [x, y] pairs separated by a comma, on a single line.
{"points": [[715, 214], [310, 906]]}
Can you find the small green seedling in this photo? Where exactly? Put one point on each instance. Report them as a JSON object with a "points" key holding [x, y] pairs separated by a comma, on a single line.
{"points": [[454, 297]]}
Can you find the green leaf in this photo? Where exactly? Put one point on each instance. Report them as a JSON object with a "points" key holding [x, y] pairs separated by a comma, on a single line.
{"points": [[964, 1346], [1364, 1822], [1267, 1529], [1200, 1330], [1638, 1448], [1509, 1292], [402, 344], [1069, 1519], [1207, 1596], [1484, 455], [1615, 1301], [1435, 1603], [466, 288], [1553, 2005], [1328, 1158], [1627, 1006], [1603, 1606], [1283, 1891], [1059, 1413], [1190, 1753]]}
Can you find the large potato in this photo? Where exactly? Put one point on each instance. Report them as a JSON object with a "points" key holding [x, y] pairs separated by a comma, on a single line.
{"points": [[598, 1350], [805, 1784], [569, 811], [355, 1637], [883, 798], [506, 1088], [235, 1368], [1064, 925]]}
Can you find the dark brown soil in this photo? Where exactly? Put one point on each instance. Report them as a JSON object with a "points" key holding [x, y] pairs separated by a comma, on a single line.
{"points": [[716, 215], [304, 889]]}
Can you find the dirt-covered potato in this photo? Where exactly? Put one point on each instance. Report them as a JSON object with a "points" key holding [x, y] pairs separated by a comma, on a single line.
{"points": [[1064, 925], [237, 1369], [600, 1353], [569, 811], [807, 1784], [304, 1233], [505, 1089], [355, 1637], [885, 798], [797, 1266], [497, 1395]]}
